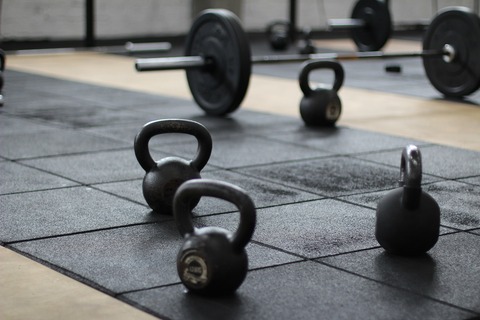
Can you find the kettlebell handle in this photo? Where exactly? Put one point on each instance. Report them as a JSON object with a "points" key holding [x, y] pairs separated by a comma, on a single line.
{"points": [[218, 189], [411, 176], [309, 66], [157, 127]]}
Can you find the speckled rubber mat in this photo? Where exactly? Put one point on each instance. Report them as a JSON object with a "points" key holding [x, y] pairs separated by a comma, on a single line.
{"points": [[70, 197]]}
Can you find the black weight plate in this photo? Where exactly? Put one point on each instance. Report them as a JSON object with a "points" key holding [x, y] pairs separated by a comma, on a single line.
{"points": [[378, 24], [460, 28], [218, 36]]}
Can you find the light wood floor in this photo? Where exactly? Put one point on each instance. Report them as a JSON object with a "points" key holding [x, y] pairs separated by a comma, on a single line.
{"points": [[29, 290]]}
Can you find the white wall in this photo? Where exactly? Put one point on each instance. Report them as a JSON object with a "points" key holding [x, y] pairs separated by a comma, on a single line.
{"points": [[64, 19]]}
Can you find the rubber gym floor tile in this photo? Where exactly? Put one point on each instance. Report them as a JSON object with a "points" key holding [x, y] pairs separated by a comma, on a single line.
{"points": [[117, 98], [52, 143], [262, 193], [442, 161], [131, 189], [343, 140], [310, 229], [474, 180], [244, 122], [242, 151], [44, 102], [128, 132], [62, 211], [448, 272], [304, 290], [130, 258], [89, 168], [86, 116], [333, 176], [458, 202], [19, 178], [13, 125], [18, 83], [247, 122]]}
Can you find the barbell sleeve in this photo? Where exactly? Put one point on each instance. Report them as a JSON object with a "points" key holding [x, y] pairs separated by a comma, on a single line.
{"points": [[170, 63]]}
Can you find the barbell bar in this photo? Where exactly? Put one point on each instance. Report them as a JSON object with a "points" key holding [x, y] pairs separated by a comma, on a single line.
{"points": [[218, 60], [172, 63]]}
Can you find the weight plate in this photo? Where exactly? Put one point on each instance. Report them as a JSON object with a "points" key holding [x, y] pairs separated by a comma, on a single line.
{"points": [[460, 28], [378, 24], [217, 36]]}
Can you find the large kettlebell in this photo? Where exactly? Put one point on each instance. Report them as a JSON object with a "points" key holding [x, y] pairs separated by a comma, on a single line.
{"points": [[320, 106], [163, 177], [408, 219], [212, 260]]}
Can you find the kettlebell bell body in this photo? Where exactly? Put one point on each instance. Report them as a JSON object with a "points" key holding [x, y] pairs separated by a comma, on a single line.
{"points": [[213, 261], [320, 106], [163, 177], [407, 218]]}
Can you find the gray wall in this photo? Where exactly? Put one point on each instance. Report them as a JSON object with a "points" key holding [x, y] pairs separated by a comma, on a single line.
{"points": [[64, 19]]}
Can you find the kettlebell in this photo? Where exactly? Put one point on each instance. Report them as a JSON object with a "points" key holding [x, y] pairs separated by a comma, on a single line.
{"points": [[320, 106], [213, 261], [306, 45], [163, 177], [407, 218], [277, 33]]}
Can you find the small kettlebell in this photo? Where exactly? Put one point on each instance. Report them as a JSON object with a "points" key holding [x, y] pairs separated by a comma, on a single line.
{"points": [[408, 219], [321, 106], [306, 45], [213, 261], [277, 33], [163, 177]]}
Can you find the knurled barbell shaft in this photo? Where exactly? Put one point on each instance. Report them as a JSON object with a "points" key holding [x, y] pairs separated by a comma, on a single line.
{"points": [[172, 63], [345, 56]]}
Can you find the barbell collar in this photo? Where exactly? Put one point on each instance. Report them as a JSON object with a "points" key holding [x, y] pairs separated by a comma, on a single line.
{"points": [[170, 63]]}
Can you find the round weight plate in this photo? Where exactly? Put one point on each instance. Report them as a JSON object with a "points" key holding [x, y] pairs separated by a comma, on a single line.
{"points": [[378, 24], [217, 36], [460, 28]]}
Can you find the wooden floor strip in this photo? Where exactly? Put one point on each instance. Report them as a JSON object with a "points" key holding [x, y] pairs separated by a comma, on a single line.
{"points": [[29, 290]]}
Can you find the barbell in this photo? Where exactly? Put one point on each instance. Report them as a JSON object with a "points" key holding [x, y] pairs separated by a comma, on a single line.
{"points": [[218, 58], [370, 26]]}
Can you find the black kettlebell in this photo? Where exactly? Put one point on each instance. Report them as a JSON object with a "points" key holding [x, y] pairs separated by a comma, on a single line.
{"points": [[320, 106], [306, 45], [163, 177], [277, 33], [408, 219], [212, 260]]}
